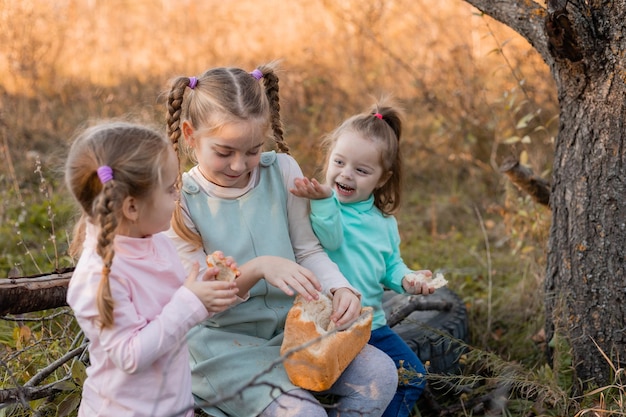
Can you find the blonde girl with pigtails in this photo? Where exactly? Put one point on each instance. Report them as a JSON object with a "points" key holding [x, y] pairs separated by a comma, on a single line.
{"points": [[235, 197], [129, 292]]}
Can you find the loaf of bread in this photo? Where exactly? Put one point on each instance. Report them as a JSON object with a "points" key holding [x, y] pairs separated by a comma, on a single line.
{"points": [[226, 273], [316, 365]]}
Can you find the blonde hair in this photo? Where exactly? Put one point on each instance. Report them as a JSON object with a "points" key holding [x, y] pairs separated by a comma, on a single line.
{"points": [[220, 96], [135, 154], [382, 125]]}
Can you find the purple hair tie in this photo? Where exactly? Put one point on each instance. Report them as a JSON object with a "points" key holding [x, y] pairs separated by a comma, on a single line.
{"points": [[105, 173], [257, 74], [380, 116], [193, 81]]}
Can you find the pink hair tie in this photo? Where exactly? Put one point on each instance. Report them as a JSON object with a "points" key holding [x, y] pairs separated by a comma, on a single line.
{"points": [[193, 81], [380, 116], [257, 74], [105, 173]]}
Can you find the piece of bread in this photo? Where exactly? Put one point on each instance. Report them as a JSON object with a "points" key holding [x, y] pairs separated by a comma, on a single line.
{"points": [[435, 281], [226, 273], [317, 366]]}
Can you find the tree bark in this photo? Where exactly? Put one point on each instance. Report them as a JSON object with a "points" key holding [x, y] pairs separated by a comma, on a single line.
{"points": [[583, 44], [585, 281], [41, 292]]}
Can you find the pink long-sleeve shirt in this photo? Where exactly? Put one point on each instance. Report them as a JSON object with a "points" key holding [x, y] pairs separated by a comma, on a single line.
{"points": [[140, 365]]}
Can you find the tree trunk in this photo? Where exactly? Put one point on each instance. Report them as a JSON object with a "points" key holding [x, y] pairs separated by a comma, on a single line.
{"points": [[583, 44], [585, 280]]}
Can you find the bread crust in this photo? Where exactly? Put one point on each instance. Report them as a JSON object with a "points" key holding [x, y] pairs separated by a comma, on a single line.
{"points": [[317, 366]]}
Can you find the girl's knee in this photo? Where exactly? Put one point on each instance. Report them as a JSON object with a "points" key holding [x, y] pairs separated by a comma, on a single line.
{"points": [[384, 368], [295, 403]]}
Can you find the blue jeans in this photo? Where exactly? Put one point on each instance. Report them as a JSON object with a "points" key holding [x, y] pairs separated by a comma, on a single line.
{"points": [[411, 383]]}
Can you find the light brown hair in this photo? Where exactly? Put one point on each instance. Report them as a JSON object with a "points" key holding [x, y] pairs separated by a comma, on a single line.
{"points": [[220, 96], [385, 132], [135, 154]]}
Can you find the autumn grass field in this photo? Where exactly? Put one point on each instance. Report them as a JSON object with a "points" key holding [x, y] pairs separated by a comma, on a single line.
{"points": [[474, 94]]}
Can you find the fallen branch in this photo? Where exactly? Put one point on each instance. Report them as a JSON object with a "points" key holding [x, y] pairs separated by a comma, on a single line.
{"points": [[26, 394], [524, 178], [48, 370], [34, 293], [30, 391], [416, 303]]}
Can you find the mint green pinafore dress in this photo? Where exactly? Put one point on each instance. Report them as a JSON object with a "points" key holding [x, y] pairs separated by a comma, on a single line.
{"points": [[239, 347]]}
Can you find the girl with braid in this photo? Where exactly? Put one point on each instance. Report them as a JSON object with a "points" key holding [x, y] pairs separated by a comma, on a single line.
{"points": [[236, 198], [352, 215], [130, 293]]}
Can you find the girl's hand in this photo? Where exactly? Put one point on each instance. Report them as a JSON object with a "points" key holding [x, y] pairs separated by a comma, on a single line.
{"points": [[282, 273], [229, 261], [346, 306], [311, 189], [216, 296], [414, 284]]}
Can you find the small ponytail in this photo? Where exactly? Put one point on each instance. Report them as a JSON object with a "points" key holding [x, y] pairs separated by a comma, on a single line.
{"points": [[390, 116]]}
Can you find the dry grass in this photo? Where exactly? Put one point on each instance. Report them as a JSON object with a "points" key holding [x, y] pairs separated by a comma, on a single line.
{"points": [[474, 93]]}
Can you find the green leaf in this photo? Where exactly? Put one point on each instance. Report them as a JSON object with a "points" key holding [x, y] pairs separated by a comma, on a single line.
{"points": [[79, 372], [69, 404], [65, 385]]}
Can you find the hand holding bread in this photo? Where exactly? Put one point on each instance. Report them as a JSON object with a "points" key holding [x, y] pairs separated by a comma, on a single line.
{"points": [[216, 296], [423, 282], [227, 267], [346, 306]]}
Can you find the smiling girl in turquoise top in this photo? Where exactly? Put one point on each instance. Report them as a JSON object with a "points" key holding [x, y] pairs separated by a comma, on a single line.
{"points": [[351, 214]]}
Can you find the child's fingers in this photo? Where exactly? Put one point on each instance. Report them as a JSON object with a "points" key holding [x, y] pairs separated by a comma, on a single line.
{"points": [[230, 262], [193, 274], [316, 185], [218, 254], [210, 274], [307, 289]]}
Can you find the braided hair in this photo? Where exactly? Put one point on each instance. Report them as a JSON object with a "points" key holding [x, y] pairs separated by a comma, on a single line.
{"points": [[134, 155], [217, 97]]}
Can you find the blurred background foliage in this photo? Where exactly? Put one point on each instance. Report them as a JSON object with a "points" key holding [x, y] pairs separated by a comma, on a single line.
{"points": [[474, 93]]}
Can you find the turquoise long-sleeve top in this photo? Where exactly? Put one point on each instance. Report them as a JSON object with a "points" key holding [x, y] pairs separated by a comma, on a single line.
{"points": [[365, 244]]}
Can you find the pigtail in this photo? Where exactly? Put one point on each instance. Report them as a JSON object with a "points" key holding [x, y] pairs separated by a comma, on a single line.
{"points": [[387, 197], [392, 118], [270, 80], [106, 211], [174, 132], [174, 110]]}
